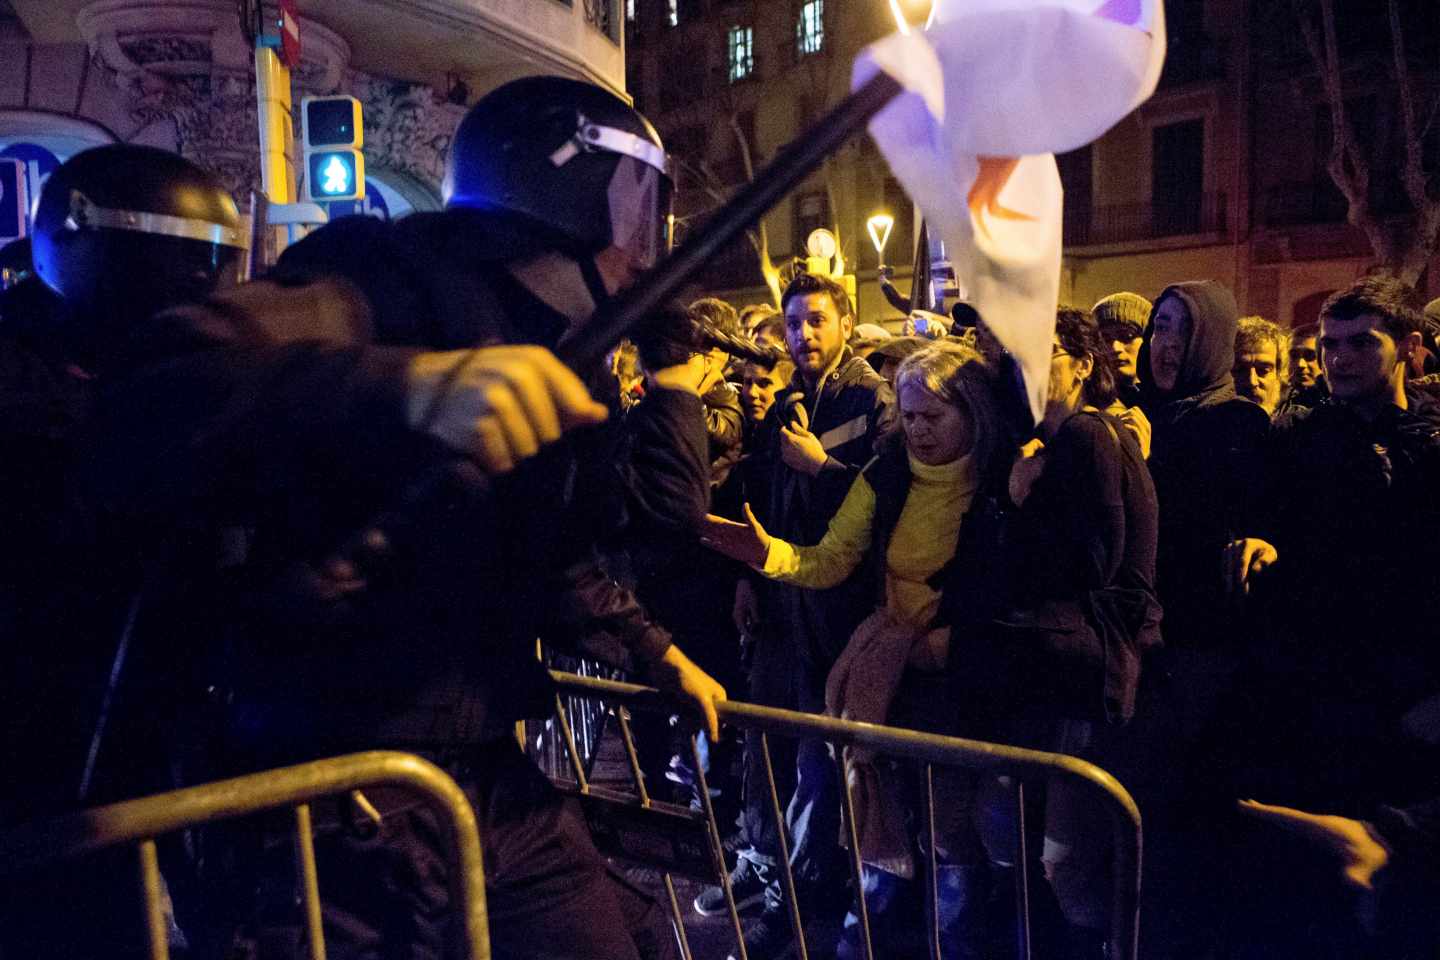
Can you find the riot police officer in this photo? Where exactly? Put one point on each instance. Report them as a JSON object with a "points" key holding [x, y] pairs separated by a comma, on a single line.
{"points": [[264, 452], [120, 232]]}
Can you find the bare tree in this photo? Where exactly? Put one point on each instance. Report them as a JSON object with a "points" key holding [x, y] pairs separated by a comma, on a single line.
{"points": [[1402, 245], [700, 174]]}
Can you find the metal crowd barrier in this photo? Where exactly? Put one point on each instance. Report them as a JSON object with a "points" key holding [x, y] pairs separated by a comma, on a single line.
{"points": [[1019, 764], [142, 820]]}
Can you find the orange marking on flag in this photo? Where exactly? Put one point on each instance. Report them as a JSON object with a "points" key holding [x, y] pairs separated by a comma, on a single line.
{"points": [[985, 192], [1127, 12]]}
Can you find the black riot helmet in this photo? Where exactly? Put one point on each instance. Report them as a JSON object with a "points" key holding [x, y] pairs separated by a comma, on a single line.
{"points": [[124, 231], [568, 159]]}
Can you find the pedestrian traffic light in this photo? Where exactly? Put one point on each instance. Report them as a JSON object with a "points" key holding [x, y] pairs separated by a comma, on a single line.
{"points": [[334, 132]]}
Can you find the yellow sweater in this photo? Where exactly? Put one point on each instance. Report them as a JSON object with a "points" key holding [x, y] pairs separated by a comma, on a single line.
{"points": [[923, 542]]}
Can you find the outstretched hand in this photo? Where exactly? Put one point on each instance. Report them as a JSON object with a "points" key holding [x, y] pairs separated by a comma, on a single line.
{"points": [[747, 542], [1360, 854], [678, 675]]}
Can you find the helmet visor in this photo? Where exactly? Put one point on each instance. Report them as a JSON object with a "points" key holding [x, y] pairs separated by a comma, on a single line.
{"points": [[640, 211]]}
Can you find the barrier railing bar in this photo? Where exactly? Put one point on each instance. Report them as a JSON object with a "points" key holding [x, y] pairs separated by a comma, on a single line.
{"points": [[1022, 875], [999, 759], [787, 875], [717, 850], [576, 767], [857, 865], [679, 920], [153, 892], [932, 884], [132, 821], [309, 882]]}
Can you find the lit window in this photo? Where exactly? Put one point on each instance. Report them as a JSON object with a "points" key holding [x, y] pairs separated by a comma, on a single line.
{"points": [[810, 28], [672, 13], [742, 52]]}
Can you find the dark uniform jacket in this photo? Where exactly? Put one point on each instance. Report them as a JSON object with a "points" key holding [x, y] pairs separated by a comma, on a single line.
{"points": [[263, 431]]}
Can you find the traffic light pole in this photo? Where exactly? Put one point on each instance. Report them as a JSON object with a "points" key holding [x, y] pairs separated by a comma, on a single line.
{"points": [[272, 89]]}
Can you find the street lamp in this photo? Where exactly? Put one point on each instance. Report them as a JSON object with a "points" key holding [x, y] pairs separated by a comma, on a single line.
{"points": [[879, 226], [901, 11]]}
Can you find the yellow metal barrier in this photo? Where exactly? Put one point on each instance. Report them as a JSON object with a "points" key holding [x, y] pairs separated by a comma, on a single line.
{"points": [[931, 749], [141, 821]]}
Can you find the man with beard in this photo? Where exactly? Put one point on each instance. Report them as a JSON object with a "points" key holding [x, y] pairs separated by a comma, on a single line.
{"points": [[818, 434], [1259, 370]]}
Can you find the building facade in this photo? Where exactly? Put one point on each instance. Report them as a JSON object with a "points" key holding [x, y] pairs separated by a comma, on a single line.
{"points": [[1221, 174], [180, 75], [722, 77]]}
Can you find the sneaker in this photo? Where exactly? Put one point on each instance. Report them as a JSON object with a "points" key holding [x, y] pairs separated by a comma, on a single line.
{"points": [[747, 885], [768, 937]]}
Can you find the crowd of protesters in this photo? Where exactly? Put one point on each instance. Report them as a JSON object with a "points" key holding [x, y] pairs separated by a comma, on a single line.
{"points": [[1212, 568], [919, 555]]}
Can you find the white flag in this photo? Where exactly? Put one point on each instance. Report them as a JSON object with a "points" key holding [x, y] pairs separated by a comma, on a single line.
{"points": [[992, 90]]}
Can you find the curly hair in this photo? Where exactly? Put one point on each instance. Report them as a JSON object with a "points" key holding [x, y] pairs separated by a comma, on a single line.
{"points": [[1080, 336], [1253, 332]]}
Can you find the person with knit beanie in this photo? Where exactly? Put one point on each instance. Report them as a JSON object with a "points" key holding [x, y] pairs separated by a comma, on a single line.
{"points": [[1122, 318]]}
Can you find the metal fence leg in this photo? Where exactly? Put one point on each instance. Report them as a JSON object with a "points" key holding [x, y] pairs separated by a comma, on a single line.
{"points": [[717, 850], [309, 882], [856, 864], [932, 885], [153, 891], [678, 919], [576, 767], [632, 755], [787, 876], [1022, 877]]}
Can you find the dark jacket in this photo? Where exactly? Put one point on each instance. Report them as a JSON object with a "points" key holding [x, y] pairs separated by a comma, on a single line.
{"points": [[1089, 523], [256, 439], [1346, 633], [1204, 460], [725, 427], [848, 413]]}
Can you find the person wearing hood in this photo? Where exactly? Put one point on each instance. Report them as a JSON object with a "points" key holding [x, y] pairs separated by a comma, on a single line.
{"points": [[1203, 460], [1204, 445]]}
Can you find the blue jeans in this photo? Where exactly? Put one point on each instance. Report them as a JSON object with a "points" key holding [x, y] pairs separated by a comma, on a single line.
{"points": [[812, 817]]}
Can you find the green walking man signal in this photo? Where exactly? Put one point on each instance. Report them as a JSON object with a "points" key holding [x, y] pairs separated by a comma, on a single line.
{"points": [[334, 132]]}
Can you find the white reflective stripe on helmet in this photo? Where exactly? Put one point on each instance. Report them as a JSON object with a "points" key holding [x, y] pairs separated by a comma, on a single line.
{"points": [[85, 214], [593, 136]]}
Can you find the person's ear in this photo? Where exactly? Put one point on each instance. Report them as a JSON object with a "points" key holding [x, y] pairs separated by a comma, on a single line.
{"points": [[1084, 367]]}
